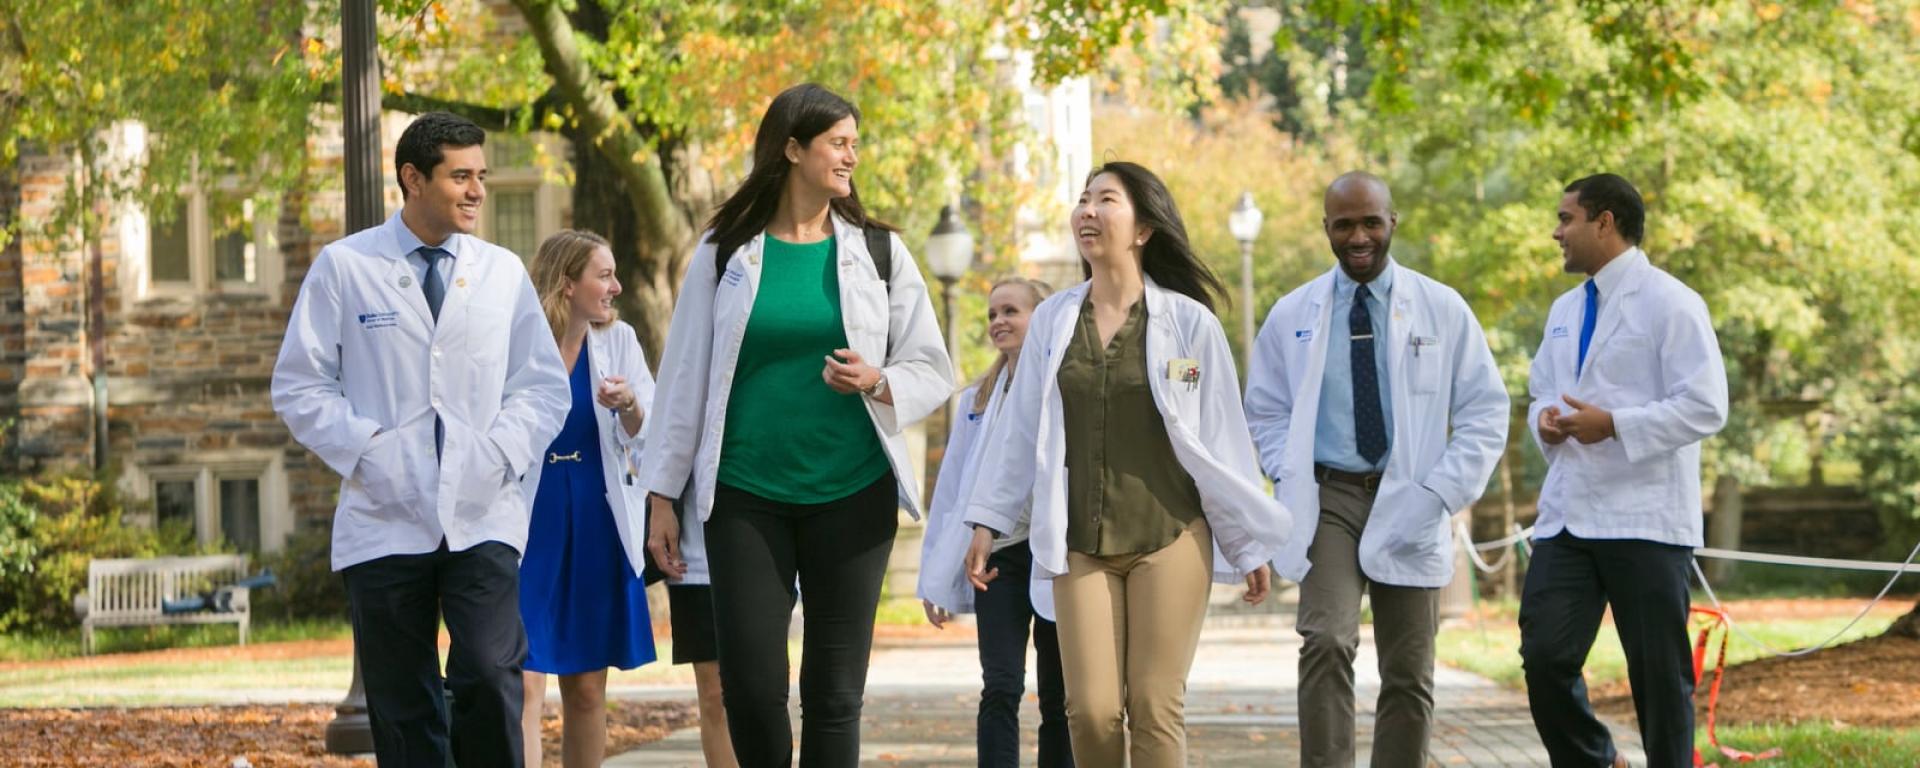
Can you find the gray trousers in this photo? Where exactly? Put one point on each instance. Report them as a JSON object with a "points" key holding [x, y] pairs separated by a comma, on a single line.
{"points": [[1404, 622]]}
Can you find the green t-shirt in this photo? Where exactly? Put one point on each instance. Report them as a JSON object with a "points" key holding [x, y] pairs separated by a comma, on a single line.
{"points": [[789, 437]]}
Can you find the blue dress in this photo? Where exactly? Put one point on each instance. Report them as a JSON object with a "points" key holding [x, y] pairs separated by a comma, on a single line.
{"points": [[584, 607]]}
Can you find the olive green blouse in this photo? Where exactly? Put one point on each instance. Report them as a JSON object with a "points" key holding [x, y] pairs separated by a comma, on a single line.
{"points": [[1126, 491]]}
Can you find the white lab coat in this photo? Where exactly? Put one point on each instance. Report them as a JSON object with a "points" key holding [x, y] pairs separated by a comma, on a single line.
{"points": [[1450, 413], [893, 329], [1654, 362], [614, 351], [363, 353], [1204, 422], [943, 551]]}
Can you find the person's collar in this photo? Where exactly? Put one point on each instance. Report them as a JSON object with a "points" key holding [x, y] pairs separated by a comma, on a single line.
{"points": [[1610, 276], [1381, 285], [408, 242]]}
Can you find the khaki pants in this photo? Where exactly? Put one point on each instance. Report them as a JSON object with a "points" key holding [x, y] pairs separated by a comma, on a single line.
{"points": [[1404, 622], [1129, 626]]}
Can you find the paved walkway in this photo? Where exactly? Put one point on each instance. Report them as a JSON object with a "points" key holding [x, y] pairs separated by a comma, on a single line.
{"points": [[1240, 707]]}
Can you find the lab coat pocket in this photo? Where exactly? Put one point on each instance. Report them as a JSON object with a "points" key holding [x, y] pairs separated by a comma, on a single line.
{"points": [[488, 334], [866, 316], [1627, 362], [1425, 373], [485, 479], [1419, 539], [382, 475]]}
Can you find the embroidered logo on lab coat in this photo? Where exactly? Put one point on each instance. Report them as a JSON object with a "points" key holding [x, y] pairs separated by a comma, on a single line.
{"points": [[375, 320]]}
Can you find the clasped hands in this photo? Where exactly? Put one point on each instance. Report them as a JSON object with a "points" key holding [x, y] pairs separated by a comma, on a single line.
{"points": [[1587, 423]]}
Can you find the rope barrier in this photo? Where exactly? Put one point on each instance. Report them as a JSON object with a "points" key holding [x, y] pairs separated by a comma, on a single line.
{"points": [[1763, 645], [1523, 538]]}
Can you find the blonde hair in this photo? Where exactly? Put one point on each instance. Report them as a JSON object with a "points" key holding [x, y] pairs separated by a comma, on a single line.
{"points": [[1040, 290], [561, 260]]}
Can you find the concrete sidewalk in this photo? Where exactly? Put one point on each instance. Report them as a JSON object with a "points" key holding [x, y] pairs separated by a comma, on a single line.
{"points": [[1241, 708]]}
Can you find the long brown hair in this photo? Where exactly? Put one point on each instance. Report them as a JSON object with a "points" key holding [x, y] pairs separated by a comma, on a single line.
{"points": [[799, 113], [1040, 291], [561, 260]]}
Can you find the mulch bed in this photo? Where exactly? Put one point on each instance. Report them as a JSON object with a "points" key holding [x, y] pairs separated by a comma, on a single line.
{"points": [[264, 735], [1869, 682]]}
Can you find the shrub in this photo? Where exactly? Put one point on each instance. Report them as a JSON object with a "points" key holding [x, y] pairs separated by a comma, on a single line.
{"points": [[49, 530], [307, 587]]}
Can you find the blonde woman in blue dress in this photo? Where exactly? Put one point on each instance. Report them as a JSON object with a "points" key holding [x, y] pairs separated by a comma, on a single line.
{"points": [[581, 596]]}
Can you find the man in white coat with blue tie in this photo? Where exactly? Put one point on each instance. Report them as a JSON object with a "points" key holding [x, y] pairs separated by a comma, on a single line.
{"points": [[1627, 383], [419, 366], [1378, 412]]}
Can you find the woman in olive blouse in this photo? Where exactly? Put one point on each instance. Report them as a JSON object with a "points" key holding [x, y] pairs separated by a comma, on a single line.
{"points": [[1129, 439]]}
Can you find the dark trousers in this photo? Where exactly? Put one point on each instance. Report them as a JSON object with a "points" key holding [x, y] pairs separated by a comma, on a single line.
{"points": [[1570, 584], [839, 552], [1005, 612], [396, 604]]}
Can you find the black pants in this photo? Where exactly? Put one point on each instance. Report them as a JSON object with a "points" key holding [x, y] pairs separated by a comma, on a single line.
{"points": [[839, 552], [396, 604], [1004, 612], [1570, 584]]}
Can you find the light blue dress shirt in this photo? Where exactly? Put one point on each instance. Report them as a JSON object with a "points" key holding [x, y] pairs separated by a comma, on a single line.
{"points": [[1333, 438], [410, 245]]}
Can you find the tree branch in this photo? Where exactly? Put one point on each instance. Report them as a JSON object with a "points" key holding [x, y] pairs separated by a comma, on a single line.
{"points": [[614, 136], [486, 116]]}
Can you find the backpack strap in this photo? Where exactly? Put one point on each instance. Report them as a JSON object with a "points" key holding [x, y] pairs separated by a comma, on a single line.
{"points": [[880, 247]]}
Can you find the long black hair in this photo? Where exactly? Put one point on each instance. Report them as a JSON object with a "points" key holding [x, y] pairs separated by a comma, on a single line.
{"points": [[1167, 257], [799, 113]]}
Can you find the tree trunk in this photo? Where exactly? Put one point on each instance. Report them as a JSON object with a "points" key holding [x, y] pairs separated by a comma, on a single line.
{"points": [[644, 197], [649, 266], [1723, 526], [1907, 626]]}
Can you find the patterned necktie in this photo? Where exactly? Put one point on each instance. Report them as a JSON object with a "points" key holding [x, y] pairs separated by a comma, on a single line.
{"points": [[1587, 319], [433, 286], [1369, 424]]}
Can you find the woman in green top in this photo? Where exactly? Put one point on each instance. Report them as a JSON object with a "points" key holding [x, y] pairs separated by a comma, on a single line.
{"points": [[796, 357]]}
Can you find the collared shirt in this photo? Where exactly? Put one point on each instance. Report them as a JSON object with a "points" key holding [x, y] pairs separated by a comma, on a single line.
{"points": [[410, 245], [1607, 281], [1333, 435], [1126, 491]]}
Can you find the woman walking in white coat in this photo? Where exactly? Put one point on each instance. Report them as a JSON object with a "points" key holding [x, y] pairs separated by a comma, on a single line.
{"points": [[802, 345], [1013, 603], [581, 597], [1126, 433]]}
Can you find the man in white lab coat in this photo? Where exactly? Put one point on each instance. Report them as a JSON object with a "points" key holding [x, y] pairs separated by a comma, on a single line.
{"points": [[1378, 412], [419, 365], [1626, 384]]}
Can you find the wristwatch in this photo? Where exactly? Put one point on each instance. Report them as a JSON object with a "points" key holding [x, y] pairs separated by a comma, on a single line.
{"points": [[879, 387]]}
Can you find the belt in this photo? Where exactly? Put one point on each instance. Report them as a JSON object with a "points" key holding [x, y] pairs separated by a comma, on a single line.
{"points": [[1368, 481]]}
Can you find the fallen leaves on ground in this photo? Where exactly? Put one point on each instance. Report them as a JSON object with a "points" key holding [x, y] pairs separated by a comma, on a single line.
{"points": [[267, 736]]}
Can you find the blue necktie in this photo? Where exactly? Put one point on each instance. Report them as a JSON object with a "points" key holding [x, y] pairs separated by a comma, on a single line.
{"points": [[1369, 424], [1587, 319], [436, 290], [433, 286]]}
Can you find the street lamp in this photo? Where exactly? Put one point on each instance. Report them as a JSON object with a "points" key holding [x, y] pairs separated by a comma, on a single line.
{"points": [[1244, 223], [949, 252]]}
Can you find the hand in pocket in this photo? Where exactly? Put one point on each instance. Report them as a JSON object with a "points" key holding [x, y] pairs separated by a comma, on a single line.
{"points": [[382, 472]]}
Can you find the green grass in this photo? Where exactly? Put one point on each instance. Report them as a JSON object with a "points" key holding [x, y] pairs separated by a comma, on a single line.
{"points": [[1490, 646], [1820, 745], [174, 682], [62, 644]]}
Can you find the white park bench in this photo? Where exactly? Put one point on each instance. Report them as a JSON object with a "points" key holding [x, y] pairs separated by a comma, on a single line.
{"points": [[125, 593]]}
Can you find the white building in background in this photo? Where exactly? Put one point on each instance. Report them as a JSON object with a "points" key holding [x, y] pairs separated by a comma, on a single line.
{"points": [[1056, 160]]}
